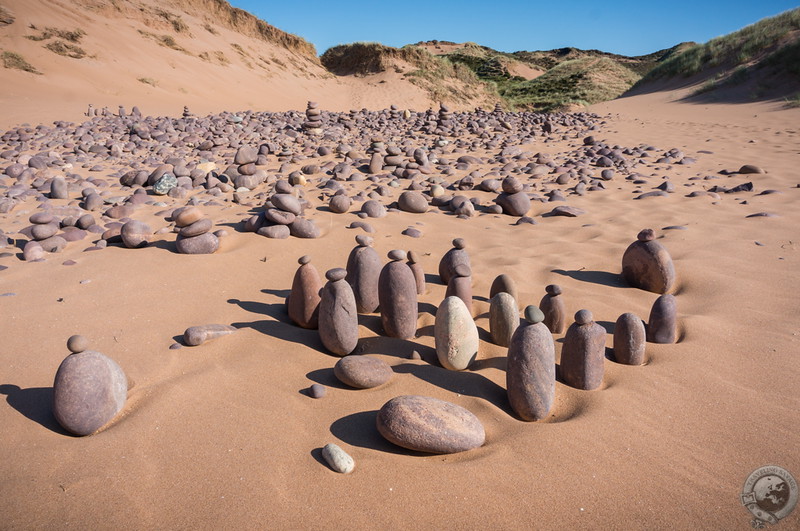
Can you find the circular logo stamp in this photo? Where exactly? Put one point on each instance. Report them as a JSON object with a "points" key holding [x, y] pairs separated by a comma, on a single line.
{"points": [[770, 494]]}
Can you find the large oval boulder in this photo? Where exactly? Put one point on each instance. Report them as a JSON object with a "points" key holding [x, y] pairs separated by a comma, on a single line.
{"points": [[426, 424]]}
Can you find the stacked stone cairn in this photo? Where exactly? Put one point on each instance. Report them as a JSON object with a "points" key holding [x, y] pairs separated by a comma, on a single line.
{"points": [[583, 353], [89, 390], [45, 239], [313, 123], [194, 236], [552, 306], [531, 370], [303, 301], [338, 317], [397, 295]]}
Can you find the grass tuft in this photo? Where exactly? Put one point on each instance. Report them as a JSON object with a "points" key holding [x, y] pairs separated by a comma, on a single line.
{"points": [[17, 62], [148, 81], [66, 49]]}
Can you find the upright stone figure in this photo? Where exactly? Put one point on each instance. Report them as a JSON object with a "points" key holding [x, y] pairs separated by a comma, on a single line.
{"points": [[647, 264], [503, 283], [460, 285], [629, 340], [531, 371], [397, 292], [503, 318], [303, 303], [583, 353], [552, 306], [89, 389], [456, 335], [419, 273], [338, 319], [662, 327], [363, 271], [453, 257]]}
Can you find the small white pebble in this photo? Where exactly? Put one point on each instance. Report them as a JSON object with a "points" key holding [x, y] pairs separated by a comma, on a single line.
{"points": [[339, 460]]}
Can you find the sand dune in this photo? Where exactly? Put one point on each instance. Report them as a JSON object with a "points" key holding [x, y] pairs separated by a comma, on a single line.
{"points": [[226, 435]]}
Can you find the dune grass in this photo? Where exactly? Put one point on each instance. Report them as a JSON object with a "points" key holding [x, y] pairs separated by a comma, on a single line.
{"points": [[67, 50], [764, 38], [73, 36], [15, 61], [147, 81]]}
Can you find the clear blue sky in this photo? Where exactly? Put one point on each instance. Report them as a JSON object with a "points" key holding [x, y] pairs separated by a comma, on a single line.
{"points": [[628, 27]]}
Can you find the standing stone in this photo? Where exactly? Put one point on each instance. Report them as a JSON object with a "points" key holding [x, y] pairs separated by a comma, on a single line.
{"points": [[455, 334], [397, 294], [503, 318], [460, 285], [58, 188], [363, 272], [531, 371], [89, 390], [662, 327], [552, 306], [338, 319], [503, 283], [427, 424], [647, 264], [629, 340], [583, 353], [453, 257], [419, 273], [303, 302]]}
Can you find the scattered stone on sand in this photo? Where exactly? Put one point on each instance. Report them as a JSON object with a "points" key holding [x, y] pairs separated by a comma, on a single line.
{"points": [[339, 460], [338, 317], [89, 389], [414, 202], [629, 340], [362, 372], [662, 326], [567, 211], [456, 335], [583, 353], [317, 391], [531, 370], [646, 264], [426, 424], [197, 335], [303, 300], [136, 234]]}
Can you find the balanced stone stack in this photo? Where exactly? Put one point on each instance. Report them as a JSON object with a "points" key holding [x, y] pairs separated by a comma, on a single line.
{"points": [[394, 112], [89, 389], [397, 296], [247, 175], [514, 201], [531, 371], [363, 271], [583, 353], [338, 318], [194, 236], [283, 218], [393, 157], [455, 256], [313, 123], [646, 264], [45, 239], [445, 116], [552, 306], [303, 300], [460, 285]]}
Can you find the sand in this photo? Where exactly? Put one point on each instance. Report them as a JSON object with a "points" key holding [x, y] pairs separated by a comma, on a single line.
{"points": [[225, 435]]}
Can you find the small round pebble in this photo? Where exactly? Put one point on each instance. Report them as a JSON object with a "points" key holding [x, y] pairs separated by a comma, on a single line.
{"points": [[533, 314], [553, 289], [317, 391], [303, 260], [413, 257], [459, 243], [397, 254], [175, 346], [77, 343], [583, 317], [337, 273], [339, 460], [646, 235], [364, 241]]}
